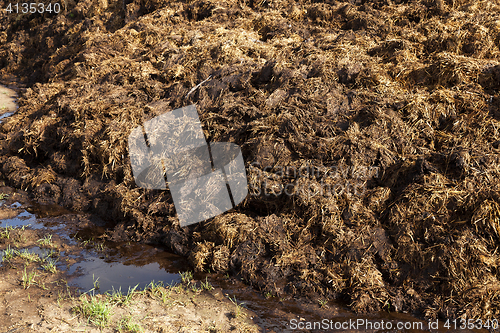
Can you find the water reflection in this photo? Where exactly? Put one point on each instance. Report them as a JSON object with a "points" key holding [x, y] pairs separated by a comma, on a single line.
{"points": [[123, 266], [24, 219]]}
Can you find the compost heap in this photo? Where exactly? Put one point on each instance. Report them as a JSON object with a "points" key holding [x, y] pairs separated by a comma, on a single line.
{"points": [[369, 129]]}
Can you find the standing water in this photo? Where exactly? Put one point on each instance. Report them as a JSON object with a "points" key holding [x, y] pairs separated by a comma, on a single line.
{"points": [[7, 102]]}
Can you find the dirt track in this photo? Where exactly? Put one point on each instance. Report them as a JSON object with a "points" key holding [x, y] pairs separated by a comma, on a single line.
{"points": [[400, 99]]}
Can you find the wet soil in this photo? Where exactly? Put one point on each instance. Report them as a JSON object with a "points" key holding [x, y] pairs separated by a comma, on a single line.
{"points": [[7, 102], [87, 263], [50, 302], [389, 108]]}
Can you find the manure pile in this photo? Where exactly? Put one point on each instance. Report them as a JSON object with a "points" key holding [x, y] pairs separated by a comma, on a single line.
{"points": [[369, 129]]}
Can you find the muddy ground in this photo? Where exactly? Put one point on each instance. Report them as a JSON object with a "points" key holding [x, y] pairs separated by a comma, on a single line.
{"points": [[37, 293], [7, 101], [389, 110]]}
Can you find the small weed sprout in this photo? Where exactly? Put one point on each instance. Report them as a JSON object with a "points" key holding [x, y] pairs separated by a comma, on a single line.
{"points": [[28, 278], [178, 289], [186, 277], [206, 285], [117, 296], [161, 292], [96, 283], [43, 286], [28, 256], [5, 232], [47, 255], [50, 266], [99, 247], [86, 242], [46, 241], [322, 302], [239, 307], [154, 287], [165, 295], [8, 254], [195, 289], [128, 298]]}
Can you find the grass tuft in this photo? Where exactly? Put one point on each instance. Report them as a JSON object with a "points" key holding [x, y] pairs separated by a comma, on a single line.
{"points": [[239, 307], [186, 277], [97, 284], [5, 232], [206, 285], [96, 311], [28, 279], [8, 254], [50, 266], [46, 241], [25, 254], [117, 296], [322, 302]]}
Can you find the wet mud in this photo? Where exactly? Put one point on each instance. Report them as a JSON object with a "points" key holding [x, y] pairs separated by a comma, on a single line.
{"points": [[7, 102], [53, 261], [90, 264], [369, 132]]}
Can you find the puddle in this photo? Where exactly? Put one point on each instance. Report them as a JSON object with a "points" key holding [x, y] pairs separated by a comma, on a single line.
{"points": [[42, 253], [6, 114], [124, 266], [118, 276], [7, 102], [31, 216], [42, 211], [118, 266], [24, 219], [15, 205]]}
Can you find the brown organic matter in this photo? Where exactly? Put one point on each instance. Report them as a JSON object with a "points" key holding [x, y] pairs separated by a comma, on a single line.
{"points": [[406, 91]]}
